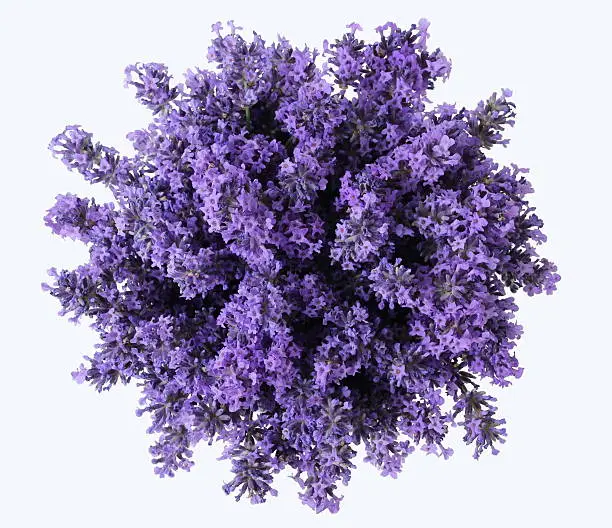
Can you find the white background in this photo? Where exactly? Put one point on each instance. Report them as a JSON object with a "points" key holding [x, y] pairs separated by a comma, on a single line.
{"points": [[72, 457]]}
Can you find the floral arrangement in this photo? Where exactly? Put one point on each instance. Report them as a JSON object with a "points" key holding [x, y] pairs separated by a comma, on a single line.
{"points": [[304, 255]]}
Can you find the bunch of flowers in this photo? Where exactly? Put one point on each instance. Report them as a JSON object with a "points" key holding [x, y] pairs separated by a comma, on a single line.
{"points": [[303, 256]]}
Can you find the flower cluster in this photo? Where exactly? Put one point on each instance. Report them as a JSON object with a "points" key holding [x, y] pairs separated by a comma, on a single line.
{"points": [[303, 256]]}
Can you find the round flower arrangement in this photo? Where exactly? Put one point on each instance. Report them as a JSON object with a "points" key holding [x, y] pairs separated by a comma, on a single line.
{"points": [[303, 256]]}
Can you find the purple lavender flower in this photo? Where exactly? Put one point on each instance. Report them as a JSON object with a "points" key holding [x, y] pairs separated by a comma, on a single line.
{"points": [[76, 149], [152, 84], [302, 257]]}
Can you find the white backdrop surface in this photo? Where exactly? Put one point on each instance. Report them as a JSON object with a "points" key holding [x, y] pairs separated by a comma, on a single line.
{"points": [[72, 457]]}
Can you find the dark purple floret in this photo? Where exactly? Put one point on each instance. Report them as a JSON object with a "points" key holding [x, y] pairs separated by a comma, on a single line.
{"points": [[303, 256]]}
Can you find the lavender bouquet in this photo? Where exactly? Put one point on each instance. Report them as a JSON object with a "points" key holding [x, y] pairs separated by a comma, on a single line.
{"points": [[301, 257]]}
